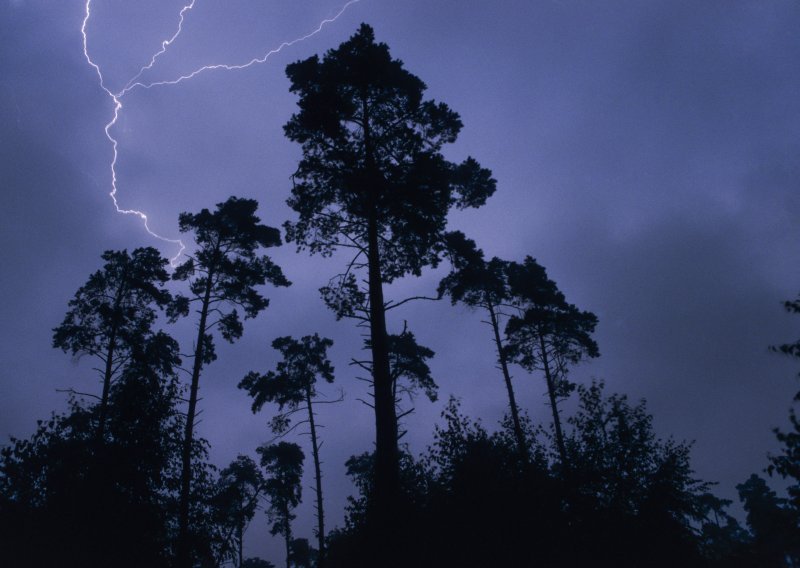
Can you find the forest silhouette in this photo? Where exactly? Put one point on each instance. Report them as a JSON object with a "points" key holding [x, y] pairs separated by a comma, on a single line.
{"points": [[122, 479]]}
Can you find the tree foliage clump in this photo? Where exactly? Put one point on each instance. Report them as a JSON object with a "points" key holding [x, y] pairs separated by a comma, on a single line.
{"points": [[113, 314], [473, 502]]}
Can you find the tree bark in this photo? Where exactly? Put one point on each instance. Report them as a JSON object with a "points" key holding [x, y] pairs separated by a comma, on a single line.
{"points": [[318, 479], [501, 357]]}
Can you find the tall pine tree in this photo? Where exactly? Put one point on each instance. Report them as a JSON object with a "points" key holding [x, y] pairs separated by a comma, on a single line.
{"points": [[373, 180]]}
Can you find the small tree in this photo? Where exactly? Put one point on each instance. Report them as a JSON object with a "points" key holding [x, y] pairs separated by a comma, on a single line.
{"points": [[626, 481], [283, 463], [373, 180], [549, 335], [238, 489], [773, 524], [480, 284], [224, 272], [293, 387], [113, 313], [303, 554]]}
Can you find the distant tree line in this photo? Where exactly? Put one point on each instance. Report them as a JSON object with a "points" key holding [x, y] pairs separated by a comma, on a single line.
{"points": [[122, 479]]}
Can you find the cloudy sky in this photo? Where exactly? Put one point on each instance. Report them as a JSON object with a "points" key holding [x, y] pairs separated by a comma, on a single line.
{"points": [[647, 154]]}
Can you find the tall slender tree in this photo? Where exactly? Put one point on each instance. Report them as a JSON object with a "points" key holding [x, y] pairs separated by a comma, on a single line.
{"points": [[480, 284], [283, 463], [223, 275], [373, 180], [549, 335], [113, 313], [292, 385]]}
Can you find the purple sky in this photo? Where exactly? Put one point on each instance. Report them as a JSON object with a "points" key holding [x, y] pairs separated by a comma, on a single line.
{"points": [[647, 154]]}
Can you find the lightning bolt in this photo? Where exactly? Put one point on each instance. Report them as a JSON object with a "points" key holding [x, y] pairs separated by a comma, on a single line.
{"points": [[164, 45], [134, 83], [236, 67], [117, 107]]}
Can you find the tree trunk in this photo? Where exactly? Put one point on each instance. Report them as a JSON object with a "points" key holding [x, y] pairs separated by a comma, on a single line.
{"points": [[501, 357], [387, 462], [551, 391], [288, 532], [112, 344], [318, 479], [184, 549], [386, 487]]}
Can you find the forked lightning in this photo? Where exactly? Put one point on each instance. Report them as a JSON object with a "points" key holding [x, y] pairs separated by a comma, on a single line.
{"points": [[134, 83]]}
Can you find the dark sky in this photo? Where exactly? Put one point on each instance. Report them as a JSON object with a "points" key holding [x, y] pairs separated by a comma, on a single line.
{"points": [[646, 154]]}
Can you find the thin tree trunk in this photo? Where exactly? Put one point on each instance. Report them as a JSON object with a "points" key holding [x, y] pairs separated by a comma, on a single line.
{"points": [[184, 550], [551, 391], [318, 479], [501, 357], [288, 531], [241, 544]]}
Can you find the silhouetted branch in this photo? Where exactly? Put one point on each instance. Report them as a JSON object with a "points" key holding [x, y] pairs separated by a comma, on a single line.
{"points": [[390, 306], [79, 393]]}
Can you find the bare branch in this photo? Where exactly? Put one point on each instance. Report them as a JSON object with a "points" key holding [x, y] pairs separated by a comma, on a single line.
{"points": [[74, 392], [406, 413], [390, 306]]}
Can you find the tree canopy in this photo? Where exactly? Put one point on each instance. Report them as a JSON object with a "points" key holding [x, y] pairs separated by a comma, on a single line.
{"points": [[372, 154]]}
